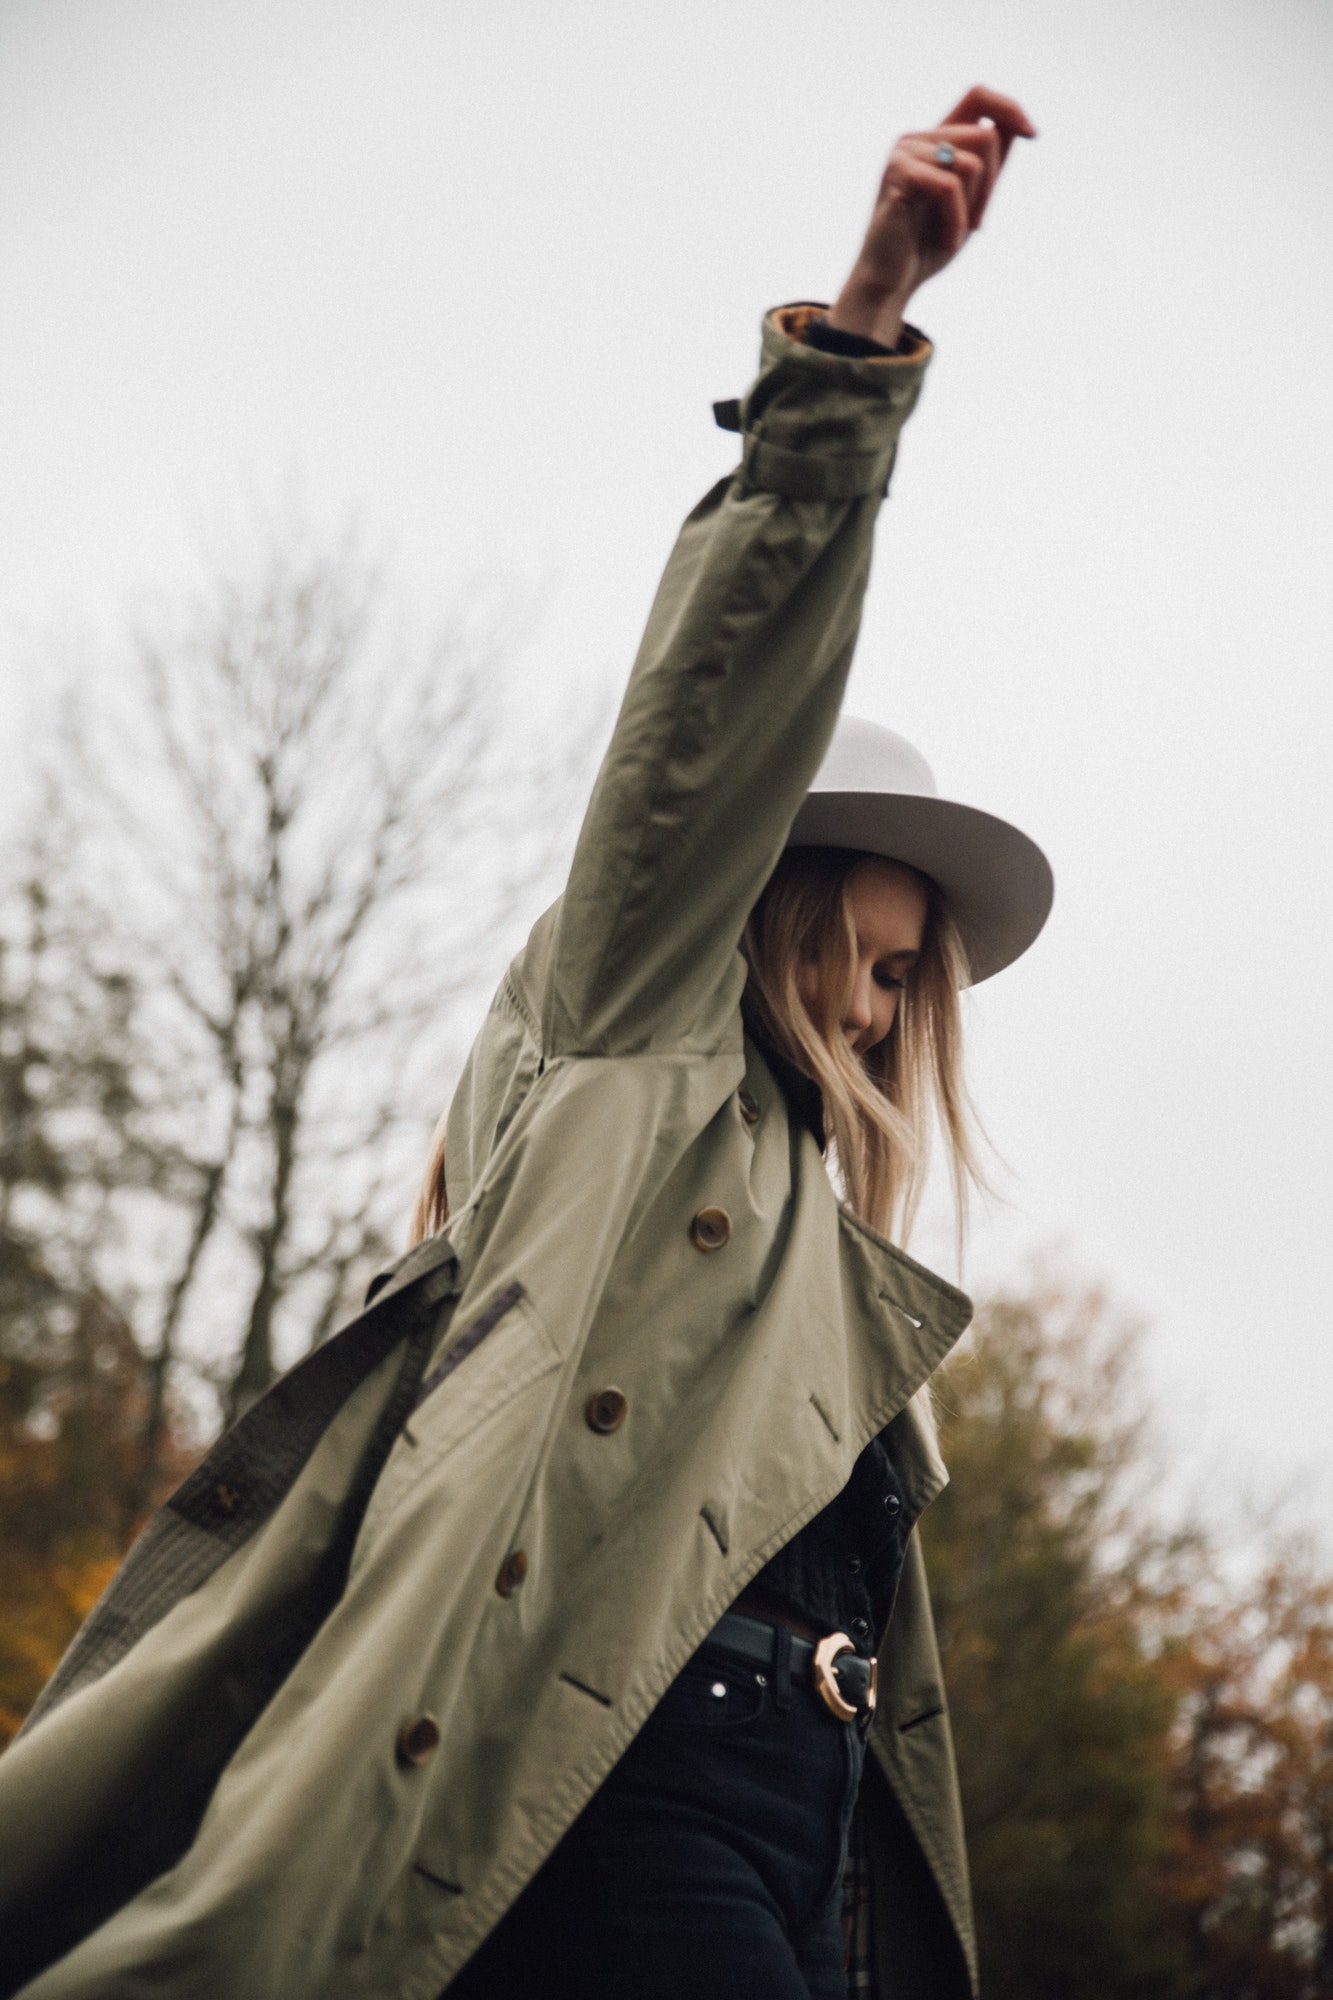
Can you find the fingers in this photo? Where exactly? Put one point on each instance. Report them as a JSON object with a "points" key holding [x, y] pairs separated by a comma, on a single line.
{"points": [[1008, 119], [915, 176], [976, 160], [1005, 113], [980, 149], [927, 206]]}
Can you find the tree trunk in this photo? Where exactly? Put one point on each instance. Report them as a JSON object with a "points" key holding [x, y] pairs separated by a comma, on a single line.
{"points": [[144, 1484], [257, 1371]]}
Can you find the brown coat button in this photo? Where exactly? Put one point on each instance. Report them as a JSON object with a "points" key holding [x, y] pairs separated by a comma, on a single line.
{"points": [[749, 1104], [418, 1741], [710, 1229], [605, 1411], [512, 1572]]}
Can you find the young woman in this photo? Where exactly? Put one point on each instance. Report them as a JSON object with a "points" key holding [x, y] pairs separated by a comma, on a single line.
{"points": [[712, 1860], [523, 1640]]}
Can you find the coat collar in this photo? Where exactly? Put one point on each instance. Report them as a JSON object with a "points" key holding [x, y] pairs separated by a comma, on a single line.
{"points": [[804, 1098]]}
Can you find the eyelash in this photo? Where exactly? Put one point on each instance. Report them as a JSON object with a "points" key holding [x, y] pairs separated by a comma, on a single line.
{"points": [[888, 984]]}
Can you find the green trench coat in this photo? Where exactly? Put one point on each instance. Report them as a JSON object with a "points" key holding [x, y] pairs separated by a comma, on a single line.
{"points": [[215, 1798]]}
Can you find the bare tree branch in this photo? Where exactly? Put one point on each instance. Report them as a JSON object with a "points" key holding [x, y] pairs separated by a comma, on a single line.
{"points": [[313, 843]]}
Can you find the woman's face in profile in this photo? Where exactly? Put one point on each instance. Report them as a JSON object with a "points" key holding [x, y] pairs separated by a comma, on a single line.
{"points": [[888, 907]]}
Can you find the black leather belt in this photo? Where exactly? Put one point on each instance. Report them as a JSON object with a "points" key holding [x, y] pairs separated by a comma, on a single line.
{"points": [[840, 1676]]}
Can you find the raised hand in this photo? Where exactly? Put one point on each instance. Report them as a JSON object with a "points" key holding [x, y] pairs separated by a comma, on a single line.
{"points": [[932, 196]]}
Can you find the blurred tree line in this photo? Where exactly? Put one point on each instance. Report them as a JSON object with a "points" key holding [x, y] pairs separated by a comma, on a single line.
{"points": [[263, 892], [238, 955], [1144, 1723]]}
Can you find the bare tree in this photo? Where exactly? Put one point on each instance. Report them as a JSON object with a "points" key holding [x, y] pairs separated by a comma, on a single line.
{"points": [[67, 1102], [306, 843]]}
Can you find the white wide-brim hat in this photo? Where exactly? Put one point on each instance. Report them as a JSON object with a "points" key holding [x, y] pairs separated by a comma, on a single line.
{"points": [[875, 792]]}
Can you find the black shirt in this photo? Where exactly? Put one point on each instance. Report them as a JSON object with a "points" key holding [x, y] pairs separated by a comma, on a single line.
{"points": [[840, 1573]]}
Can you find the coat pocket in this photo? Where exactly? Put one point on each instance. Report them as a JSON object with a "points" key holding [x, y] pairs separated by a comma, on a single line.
{"points": [[471, 1338]]}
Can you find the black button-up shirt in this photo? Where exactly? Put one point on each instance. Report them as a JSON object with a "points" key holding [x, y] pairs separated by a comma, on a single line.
{"points": [[841, 1572]]}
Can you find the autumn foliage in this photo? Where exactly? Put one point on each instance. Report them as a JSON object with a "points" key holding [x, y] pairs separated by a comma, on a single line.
{"points": [[72, 1401], [1144, 1721], [81, 1462], [1250, 1863]]}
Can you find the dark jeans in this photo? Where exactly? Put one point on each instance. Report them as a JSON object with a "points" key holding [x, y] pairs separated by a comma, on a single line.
{"points": [[708, 1867]]}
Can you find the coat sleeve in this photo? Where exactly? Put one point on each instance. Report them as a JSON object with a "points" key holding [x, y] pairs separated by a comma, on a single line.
{"points": [[730, 705]]}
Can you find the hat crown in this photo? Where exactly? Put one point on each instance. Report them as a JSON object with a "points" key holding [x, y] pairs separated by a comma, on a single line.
{"points": [[865, 757], [875, 793]]}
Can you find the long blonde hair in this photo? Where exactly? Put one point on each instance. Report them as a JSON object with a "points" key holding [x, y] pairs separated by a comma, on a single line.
{"points": [[431, 1211], [879, 1108]]}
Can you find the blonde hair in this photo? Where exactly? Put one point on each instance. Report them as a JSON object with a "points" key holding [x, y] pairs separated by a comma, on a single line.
{"points": [[431, 1211], [880, 1108]]}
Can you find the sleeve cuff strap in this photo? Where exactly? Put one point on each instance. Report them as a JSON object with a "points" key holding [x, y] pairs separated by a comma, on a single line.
{"points": [[800, 475]]}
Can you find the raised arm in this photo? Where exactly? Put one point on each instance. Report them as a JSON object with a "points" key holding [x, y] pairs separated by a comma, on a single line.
{"points": [[740, 675]]}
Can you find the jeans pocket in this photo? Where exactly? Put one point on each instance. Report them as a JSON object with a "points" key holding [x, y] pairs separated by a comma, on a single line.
{"points": [[718, 1694]]}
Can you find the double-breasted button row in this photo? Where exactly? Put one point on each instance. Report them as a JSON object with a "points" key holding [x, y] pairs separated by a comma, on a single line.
{"points": [[605, 1411], [511, 1573], [418, 1740], [710, 1229]]}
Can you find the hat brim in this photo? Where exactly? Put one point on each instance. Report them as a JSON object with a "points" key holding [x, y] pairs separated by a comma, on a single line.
{"points": [[997, 883]]}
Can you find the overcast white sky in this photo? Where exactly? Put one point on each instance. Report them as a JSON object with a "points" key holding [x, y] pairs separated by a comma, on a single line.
{"points": [[478, 271]]}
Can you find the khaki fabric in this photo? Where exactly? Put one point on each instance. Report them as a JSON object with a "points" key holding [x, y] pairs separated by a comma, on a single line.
{"points": [[345, 1563]]}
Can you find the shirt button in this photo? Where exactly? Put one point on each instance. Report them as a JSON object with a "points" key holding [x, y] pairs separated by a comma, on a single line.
{"points": [[854, 1565], [860, 1628], [418, 1741], [710, 1229], [749, 1104], [512, 1572], [605, 1411], [893, 1506]]}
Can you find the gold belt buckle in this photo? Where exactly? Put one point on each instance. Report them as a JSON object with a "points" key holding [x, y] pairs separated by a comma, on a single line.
{"points": [[827, 1652]]}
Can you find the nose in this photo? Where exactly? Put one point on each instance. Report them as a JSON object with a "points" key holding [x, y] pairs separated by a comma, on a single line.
{"points": [[858, 1015]]}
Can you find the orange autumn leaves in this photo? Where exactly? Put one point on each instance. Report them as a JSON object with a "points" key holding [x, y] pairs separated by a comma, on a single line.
{"points": [[72, 1389], [1144, 1715]]}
